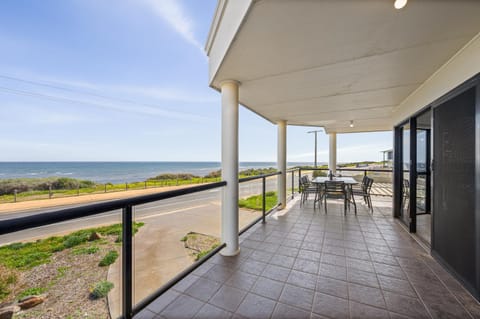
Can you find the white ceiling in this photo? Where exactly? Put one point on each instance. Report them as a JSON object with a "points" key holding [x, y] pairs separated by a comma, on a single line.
{"points": [[324, 63]]}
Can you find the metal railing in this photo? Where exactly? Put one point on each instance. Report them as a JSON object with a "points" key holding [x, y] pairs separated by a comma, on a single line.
{"points": [[126, 205]]}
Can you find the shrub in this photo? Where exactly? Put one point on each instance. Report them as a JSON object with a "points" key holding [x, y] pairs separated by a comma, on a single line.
{"points": [[31, 292], [214, 174], [109, 258], [73, 240], [169, 176], [86, 250], [101, 289]]}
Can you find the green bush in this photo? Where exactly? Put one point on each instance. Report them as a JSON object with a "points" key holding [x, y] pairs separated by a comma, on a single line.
{"points": [[109, 258], [86, 250], [101, 289], [31, 292], [214, 174], [74, 240]]}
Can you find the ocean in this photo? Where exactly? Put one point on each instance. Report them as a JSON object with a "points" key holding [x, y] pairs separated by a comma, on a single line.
{"points": [[115, 172]]}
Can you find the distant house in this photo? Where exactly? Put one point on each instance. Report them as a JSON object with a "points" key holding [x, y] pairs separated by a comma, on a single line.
{"points": [[387, 158]]}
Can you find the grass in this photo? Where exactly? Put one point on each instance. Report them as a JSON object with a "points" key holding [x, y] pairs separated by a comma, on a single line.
{"points": [[90, 250], [24, 256], [31, 292], [203, 253], [109, 258], [101, 289], [255, 202]]}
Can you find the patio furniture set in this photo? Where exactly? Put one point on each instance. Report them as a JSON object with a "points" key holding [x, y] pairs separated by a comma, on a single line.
{"points": [[336, 187]]}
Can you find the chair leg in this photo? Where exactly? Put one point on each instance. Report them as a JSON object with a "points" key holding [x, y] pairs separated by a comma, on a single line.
{"points": [[354, 204], [371, 204], [325, 203]]}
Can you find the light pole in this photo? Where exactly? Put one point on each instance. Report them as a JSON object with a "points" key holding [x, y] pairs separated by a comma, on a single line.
{"points": [[315, 145]]}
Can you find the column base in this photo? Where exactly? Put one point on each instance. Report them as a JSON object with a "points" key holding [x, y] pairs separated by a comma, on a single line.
{"points": [[226, 253]]}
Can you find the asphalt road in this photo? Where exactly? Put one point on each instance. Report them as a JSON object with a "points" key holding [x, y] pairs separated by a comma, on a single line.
{"points": [[202, 202]]}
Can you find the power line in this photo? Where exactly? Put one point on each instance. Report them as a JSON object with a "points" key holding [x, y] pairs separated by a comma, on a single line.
{"points": [[111, 99]]}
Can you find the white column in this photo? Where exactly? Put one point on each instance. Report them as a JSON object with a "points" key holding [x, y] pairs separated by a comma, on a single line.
{"points": [[282, 163], [230, 167], [332, 152]]}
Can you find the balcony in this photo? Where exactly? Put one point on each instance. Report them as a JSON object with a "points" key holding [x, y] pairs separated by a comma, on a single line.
{"points": [[303, 263]]}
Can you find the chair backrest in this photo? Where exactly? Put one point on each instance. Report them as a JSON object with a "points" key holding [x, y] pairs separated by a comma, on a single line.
{"points": [[334, 187], [368, 184], [364, 180], [304, 180]]}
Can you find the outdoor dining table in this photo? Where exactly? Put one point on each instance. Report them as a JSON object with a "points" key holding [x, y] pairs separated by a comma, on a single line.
{"points": [[349, 182]]}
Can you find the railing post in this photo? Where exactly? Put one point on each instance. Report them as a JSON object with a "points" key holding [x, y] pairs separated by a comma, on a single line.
{"points": [[364, 172], [78, 189], [127, 269], [145, 184], [264, 199], [105, 187], [14, 195], [299, 177], [126, 186], [49, 191], [293, 184]]}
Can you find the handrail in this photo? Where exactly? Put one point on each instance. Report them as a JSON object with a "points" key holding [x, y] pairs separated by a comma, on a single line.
{"points": [[350, 169], [21, 223], [252, 178]]}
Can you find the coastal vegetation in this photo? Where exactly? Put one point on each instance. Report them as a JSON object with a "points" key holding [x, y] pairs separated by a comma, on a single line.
{"points": [[21, 189], [18, 261]]}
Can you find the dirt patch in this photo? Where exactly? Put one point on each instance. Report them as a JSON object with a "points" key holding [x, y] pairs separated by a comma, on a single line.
{"points": [[67, 281], [198, 245]]}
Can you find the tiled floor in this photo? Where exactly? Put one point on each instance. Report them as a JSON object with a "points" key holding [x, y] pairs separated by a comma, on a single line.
{"points": [[308, 264]]}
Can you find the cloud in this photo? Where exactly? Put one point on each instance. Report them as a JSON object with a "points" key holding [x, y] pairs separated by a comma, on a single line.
{"points": [[126, 98], [173, 13]]}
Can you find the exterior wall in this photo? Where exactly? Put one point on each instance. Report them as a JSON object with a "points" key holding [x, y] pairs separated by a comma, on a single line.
{"points": [[461, 67]]}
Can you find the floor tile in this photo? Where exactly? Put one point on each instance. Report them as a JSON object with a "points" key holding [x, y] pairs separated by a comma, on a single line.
{"points": [[366, 295], [203, 289], [333, 287], [361, 311], [283, 261], [268, 288], [228, 298], [302, 279], [283, 311], [362, 278], [184, 305], [333, 271], [330, 306], [276, 273], [404, 305], [399, 286], [163, 301], [296, 296], [256, 307], [306, 266], [242, 280], [211, 312]]}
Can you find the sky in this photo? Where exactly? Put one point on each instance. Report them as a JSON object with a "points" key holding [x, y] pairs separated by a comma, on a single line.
{"points": [[127, 80]]}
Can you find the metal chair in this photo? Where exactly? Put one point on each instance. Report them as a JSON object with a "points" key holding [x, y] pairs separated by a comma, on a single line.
{"points": [[306, 188], [364, 191], [335, 190]]}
